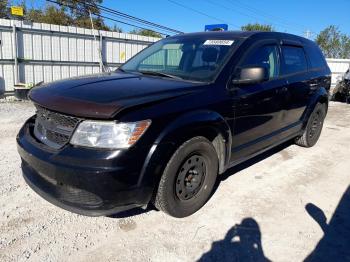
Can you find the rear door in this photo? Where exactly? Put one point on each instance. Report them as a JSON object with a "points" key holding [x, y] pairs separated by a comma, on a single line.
{"points": [[294, 69], [258, 107]]}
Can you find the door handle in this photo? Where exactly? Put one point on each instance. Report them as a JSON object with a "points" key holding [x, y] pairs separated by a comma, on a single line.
{"points": [[313, 86], [282, 90]]}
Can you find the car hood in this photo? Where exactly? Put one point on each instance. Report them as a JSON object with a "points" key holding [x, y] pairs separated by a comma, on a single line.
{"points": [[104, 95]]}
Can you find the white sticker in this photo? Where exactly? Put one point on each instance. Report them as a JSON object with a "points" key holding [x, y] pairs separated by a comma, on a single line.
{"points": [[218, 42]]}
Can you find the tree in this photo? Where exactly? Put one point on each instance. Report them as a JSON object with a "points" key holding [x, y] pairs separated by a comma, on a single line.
{"points": [[80, 8], [257, 27], [63, 15], [79, 11], [50, 15], [117, 29], [333, 43], [145, 32], [86, 23], [4, 10]]}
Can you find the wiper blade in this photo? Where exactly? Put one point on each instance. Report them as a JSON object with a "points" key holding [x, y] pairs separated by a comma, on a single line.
{"points": [[156, 73], [121, 70]]}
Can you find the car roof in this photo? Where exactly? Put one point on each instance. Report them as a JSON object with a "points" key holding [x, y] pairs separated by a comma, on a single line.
{"points": [[245, 35], [230, 34]]}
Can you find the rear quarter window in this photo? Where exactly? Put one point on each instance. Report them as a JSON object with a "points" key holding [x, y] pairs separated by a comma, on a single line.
{"points": [[294, 60], [316, 57]]}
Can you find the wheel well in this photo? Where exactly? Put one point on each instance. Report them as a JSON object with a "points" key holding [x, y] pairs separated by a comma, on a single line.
{"points": [[324, 101], [218, 141]]}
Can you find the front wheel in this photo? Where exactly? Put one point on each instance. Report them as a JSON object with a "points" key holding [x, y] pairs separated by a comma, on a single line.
{"points": [[313, 128], [188, 179]]}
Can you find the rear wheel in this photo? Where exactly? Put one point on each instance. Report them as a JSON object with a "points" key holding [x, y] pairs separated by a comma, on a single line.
{"points": [[313, 128], [188, 179], [348, 99]]}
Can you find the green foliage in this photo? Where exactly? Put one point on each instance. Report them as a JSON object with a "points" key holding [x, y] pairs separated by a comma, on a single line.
{"points": [[257, 27], [145, 32], [86, 23], [333, 43], [81, 8], [117, 29], [50, 15], [75, 13], [4, 9]]}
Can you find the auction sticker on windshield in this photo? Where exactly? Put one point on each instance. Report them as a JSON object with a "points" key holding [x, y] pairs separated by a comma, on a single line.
{"points": [[218, 42]]}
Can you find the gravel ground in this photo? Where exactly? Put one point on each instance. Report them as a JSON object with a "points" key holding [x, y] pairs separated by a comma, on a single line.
{"points": [[261, 212]]}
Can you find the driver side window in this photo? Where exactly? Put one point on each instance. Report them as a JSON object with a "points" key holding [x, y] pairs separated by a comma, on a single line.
{"points": [[265, 56]]}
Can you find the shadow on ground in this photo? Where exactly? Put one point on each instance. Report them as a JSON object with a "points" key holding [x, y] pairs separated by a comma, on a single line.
{"points": [[335, 244], [133, 212], [241, 243], [231, 171]]}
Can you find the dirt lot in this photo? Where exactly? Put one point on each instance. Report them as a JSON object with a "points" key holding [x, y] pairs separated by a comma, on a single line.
{"points": [[267, 208]]}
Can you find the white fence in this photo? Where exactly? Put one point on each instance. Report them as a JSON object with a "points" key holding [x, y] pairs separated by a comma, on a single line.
{"points": [[338, 68], [34, 52]]}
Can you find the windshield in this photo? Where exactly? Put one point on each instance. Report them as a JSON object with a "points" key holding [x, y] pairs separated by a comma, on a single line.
{"points": [[188, 58]]}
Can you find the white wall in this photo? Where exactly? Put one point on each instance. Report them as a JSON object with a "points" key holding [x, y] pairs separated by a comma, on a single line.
{"points": [[338, 68], [46, 52]]}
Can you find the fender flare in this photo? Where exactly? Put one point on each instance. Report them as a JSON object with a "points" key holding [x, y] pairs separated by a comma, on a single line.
{"points": [[184, 127], [321, 96]]}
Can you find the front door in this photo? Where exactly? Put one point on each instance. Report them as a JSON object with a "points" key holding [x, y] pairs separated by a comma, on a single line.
{"points": [[258, 107]]}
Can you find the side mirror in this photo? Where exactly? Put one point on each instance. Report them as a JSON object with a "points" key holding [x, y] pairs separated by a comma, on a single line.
{"points": [[251, 75]]}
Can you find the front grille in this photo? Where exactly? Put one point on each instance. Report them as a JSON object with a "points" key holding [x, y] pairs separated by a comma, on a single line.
{"points": [[77, 196], [54, 129]]}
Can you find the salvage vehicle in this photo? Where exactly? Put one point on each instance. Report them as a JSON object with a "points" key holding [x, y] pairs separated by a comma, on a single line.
{"points": [[341, 92], [164, 125]]}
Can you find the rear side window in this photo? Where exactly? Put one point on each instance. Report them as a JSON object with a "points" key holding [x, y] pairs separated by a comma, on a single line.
{"points": [[294, 60], [316, 57]]}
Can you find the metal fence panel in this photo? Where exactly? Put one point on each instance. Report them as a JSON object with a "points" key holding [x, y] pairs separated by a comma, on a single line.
{"points": [[338, 68], [34, 52]]}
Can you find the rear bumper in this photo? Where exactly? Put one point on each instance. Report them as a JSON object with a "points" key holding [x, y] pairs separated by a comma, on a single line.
{"points": [[84, 181]]}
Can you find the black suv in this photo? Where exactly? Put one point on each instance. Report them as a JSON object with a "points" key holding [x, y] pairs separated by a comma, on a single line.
{"points": [[166, 123]]}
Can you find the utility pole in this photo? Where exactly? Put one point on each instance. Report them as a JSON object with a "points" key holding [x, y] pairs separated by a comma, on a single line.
{"points": [[308, 34]]}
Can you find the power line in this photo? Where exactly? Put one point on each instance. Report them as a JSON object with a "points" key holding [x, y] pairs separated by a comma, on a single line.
{"points": [[308, 34], [110, 11], [201, 13], [276, 19], [237, 11], [107, 9]]}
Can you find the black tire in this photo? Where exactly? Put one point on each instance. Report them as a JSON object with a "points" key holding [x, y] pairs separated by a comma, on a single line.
{"points": [[338, 97], [313, 128], [188, 178]]}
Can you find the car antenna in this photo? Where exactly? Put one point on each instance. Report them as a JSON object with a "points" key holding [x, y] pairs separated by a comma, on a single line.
{"points": [[104, 68]]}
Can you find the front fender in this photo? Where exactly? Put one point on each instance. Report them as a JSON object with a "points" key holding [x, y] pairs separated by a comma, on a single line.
{"points": [[189, 124], [197, 123]]}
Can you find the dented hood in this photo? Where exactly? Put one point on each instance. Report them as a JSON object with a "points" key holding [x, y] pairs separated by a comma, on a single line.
{"points": [[104, 95]]}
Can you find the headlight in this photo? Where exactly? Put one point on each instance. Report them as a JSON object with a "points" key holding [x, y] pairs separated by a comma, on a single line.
{"points": [[108, 134]]}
